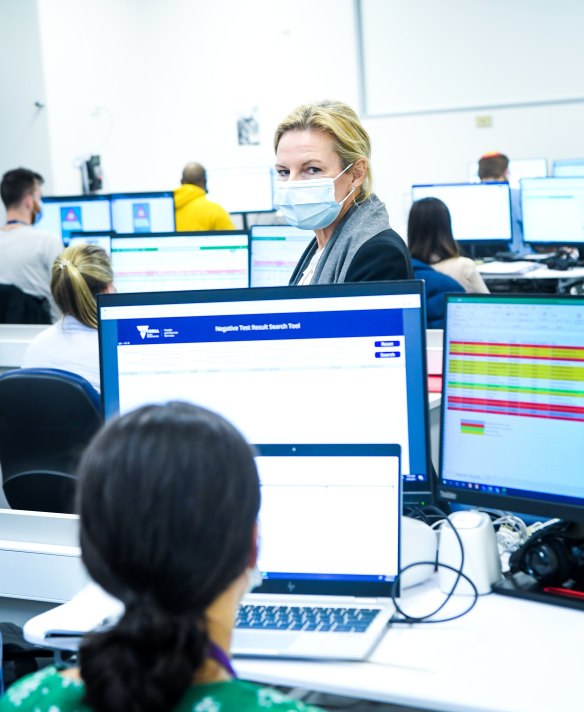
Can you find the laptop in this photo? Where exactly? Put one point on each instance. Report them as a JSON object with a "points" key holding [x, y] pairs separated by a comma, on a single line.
{"points": [[329, 551]]}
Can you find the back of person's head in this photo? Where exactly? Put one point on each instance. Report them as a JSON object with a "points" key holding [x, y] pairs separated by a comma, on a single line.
{"points": [[80, 273], [17, 184], [168, 499], [342, 123], [194, 174], [493, 166], [430, 231]]}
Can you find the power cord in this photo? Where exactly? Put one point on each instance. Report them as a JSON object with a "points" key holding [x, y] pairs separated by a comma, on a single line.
{"points": [[429, 617]]}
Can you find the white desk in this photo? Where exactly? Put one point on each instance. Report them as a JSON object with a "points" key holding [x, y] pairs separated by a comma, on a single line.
{"points": [[506, 655], [566, 278], [14, 340]]}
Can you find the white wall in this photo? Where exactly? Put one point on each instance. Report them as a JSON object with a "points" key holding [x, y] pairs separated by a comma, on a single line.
{"points": [[151, 85], [24, 137]]}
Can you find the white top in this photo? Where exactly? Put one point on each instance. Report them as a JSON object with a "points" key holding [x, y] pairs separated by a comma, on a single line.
{"points": [[68, 345], [308, 273], [464, 271], [26, 260]]}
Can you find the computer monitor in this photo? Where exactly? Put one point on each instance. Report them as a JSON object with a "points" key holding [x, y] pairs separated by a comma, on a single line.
{"points": [[325, 364], [77, 213], [480, 212], [103, 239], [274, 252], [186, 260], [143, 212], [242, 190], [553, 210], [513, 403], [518, 168], [568, 168]]}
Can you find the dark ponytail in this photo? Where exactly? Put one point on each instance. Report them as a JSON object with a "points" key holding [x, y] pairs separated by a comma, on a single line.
{"points": [[168, 500]]}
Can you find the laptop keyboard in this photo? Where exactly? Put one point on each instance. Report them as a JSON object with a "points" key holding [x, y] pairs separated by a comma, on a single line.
{"points": [[306, 618]]}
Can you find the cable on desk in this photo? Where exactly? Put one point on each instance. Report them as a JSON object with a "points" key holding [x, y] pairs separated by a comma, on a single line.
{"points": [[459, 574]]}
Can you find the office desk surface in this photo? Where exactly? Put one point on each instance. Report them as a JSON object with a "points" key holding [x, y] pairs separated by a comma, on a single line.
{"points": [[506, 655]]}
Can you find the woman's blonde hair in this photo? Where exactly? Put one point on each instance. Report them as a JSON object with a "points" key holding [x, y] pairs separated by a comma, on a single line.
{"points": [[80, 273], [342, 123]]}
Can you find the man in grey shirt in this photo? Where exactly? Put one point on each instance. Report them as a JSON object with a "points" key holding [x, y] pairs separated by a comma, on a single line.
{"points": [[26, 254]]}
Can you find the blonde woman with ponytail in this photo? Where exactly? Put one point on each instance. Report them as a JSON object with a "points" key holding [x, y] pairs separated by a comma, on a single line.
{"points": [[79, 274]]}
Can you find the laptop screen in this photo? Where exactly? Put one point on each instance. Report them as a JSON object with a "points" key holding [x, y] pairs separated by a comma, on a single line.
{"points": [[329, 513], [166, 262], [316, 364], [143, 212], [275, 251]]}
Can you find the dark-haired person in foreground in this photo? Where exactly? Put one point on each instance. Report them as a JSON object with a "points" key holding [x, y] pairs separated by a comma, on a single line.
{"points": [[26, 253], [168, 501]]}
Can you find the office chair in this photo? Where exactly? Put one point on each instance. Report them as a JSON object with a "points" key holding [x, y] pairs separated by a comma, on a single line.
{"points": [[47, 416], [17, 307]]}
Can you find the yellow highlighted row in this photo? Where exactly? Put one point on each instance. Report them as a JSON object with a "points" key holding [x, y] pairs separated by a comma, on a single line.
{"points": [[517, 370], [558, 352]]}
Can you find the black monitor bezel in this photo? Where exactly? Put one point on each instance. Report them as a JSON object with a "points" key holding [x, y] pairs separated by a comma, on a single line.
{"points": [[457, 495], [493, 242], [415, 492]]}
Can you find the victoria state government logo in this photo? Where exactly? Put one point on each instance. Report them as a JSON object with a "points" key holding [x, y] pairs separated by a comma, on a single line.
{"points": [[143, 330], [147, 333]]}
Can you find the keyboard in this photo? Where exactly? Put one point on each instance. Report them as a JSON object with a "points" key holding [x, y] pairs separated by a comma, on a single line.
{"points": [[306, 618]]}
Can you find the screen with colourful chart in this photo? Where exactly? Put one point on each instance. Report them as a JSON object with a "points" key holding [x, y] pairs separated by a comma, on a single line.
{"points": [[513, 403]]}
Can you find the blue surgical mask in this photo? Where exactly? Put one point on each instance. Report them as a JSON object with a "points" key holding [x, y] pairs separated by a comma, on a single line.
{"points": [[309, 204]]}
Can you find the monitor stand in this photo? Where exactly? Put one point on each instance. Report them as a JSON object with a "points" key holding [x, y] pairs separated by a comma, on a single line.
{"points": [[521, 585]]}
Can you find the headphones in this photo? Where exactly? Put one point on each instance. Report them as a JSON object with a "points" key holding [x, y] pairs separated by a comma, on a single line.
{"points": [[551, 555]]}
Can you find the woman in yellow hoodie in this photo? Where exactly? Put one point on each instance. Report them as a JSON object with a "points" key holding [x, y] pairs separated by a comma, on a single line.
{"points": [[192, 209]]}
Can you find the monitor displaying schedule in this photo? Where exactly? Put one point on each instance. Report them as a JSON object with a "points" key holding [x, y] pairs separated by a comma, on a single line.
{"points": [[142, 212], [175, 261], [274, 252], [241, 190], [306, 365], [553, 210], [518, 168], [513, 403], [78, 213], [479, 211]]}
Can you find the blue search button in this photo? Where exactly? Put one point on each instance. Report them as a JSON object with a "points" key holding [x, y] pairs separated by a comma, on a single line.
{"points": [[386, 344], [387, 354]]}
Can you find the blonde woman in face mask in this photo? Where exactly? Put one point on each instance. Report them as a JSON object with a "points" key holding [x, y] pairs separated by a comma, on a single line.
{"points": [[324, 184], [79, 274]]}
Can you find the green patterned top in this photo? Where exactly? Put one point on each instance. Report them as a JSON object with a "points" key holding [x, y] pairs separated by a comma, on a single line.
{"points": [[48, 691]]}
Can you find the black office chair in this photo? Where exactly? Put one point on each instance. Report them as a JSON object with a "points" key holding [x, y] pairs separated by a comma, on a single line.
{"points": [[17, 307], [47, 416]]}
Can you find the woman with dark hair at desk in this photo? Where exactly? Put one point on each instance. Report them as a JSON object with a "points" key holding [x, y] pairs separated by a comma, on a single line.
{"points": [[324, 184], [431, 241], [79, 274], [168, 501]]}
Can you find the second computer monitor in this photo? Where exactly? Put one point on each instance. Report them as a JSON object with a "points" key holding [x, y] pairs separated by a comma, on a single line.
{"points": [[143, 212], [241, 190], [172, 261], [480, 212], [274, 252], [77, 213], [101, 239], [568, 168], [553, 210], [326, 364]]}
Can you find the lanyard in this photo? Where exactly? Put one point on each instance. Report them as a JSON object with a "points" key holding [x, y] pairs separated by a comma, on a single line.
{"points": [[16, 222], [220, 657]]}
